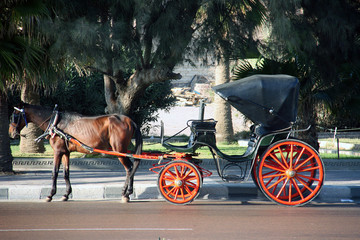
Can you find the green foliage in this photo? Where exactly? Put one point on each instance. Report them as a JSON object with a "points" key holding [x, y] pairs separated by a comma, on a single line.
{"points": [[115, 36], [324, 37], [225, 28], [82, 94], [19, 53]]}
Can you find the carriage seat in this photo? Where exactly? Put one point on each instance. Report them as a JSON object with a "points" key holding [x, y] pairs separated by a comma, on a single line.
{"points": [[202, 134]]}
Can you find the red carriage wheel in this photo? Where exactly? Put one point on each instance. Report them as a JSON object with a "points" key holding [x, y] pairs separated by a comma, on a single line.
{"points": [[179, 182], [290, 173], [254, 171]]}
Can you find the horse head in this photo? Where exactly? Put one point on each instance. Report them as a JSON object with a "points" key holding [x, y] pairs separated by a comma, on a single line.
{"points": [[17, 120]]}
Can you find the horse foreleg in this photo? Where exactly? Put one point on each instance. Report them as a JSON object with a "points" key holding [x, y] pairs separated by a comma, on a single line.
{"points": [[66, 166], [55, 173]]}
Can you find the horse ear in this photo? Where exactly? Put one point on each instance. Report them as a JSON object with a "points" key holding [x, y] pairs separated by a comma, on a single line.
{"points": [[22, 104]]}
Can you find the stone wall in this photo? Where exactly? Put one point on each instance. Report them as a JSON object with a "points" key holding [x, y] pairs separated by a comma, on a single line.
{"points": [[188, 72]]}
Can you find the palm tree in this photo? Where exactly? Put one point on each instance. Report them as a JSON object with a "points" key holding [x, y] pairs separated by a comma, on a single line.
{"points": [[225, 30], [18, 55], [28, 135]]}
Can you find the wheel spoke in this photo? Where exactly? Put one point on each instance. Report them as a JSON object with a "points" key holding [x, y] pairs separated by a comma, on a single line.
{"points": [[277, 161], [168, 178], [170, 192], [177, 172], [305, 185], [188, 173], [297, 188], [276, 183], [299, 156], [309, 169], [172, 184], [182, 193], [191, 178], [283, 158], [274, 175], [290, 190], [310, 178], [187, 189], [274, 168], [305, 161], [173, 175], [310, 164], [291, 155], [282, 188], [191, 184]]}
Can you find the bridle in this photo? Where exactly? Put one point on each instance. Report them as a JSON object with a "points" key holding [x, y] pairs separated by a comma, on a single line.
{"points": [[16, 119]]}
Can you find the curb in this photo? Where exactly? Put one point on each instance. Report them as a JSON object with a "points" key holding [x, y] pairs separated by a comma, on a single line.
{"points": [[328, 194], [343, 184], [40, 164]]}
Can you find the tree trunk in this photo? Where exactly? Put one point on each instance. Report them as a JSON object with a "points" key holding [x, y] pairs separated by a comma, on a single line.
{"points": [[31, 132], [307, 114], [224, 128], [120, 94], [5, 151]]}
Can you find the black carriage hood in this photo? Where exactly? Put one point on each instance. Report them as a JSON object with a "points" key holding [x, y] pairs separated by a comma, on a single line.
{"points": [[269, 100]]}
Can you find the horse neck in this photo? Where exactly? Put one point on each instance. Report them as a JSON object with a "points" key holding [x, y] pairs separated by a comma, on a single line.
{"points": [[38, 115]]}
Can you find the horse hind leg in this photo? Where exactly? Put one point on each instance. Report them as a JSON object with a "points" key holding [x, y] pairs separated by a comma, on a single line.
{"points": [[130, 187], [126, 192]]}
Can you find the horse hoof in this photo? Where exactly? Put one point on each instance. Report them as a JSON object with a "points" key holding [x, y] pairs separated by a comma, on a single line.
{"points": [[125, 199], [48, 199], [64, 199]]}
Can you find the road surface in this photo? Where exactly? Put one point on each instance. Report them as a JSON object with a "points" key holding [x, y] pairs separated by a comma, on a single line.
{"points": [[161, 220]]}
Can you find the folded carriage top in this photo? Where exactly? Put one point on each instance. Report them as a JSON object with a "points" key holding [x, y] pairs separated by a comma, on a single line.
{"points": [[268, 100]]}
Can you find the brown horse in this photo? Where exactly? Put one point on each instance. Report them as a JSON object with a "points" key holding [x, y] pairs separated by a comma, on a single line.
{"points": [[100, 132]]}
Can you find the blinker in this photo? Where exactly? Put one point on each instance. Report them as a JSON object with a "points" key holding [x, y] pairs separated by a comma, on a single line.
{"points": [[18, 116]]}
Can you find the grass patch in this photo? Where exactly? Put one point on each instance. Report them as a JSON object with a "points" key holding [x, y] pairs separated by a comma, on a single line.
{"points": [[49, 153], [229, 149]]}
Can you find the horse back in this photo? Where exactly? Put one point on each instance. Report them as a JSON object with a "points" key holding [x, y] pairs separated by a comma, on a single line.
{"points": [[102, 131]]}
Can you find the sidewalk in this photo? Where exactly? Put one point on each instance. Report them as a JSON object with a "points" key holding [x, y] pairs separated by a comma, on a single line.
{"points": [[102, 179]]}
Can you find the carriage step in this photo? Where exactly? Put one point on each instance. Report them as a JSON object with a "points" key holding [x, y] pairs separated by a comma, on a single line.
{"points": [[233, 178]]}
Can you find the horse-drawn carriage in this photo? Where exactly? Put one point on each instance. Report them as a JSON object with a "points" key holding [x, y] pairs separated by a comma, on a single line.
{"points": [[287, 170]]}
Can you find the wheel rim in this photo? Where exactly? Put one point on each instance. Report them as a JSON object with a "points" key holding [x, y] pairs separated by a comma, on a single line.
{"points": [[290, 173], [179, 182], [254, 171]]}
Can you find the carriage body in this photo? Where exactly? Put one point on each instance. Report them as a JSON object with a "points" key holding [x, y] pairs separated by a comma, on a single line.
{"points": [[288, 171]]}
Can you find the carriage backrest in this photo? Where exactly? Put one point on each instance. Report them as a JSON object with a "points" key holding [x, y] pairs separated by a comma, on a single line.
{"points": [[202, 131]]}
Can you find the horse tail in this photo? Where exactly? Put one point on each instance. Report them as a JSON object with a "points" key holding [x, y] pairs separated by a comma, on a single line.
{"points": [[138, 139], [138, 148]]}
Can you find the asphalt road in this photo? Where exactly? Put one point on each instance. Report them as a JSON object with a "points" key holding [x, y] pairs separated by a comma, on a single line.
{"points": [[160, 220]]}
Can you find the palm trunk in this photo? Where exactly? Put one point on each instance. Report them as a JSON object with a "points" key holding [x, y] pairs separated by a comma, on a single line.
{"points": [[307, 114], [5, 151], [224, 128], [31, 132]]}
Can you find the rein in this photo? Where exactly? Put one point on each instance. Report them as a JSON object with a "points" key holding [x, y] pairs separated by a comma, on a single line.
{"points": [[52, 125]]}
